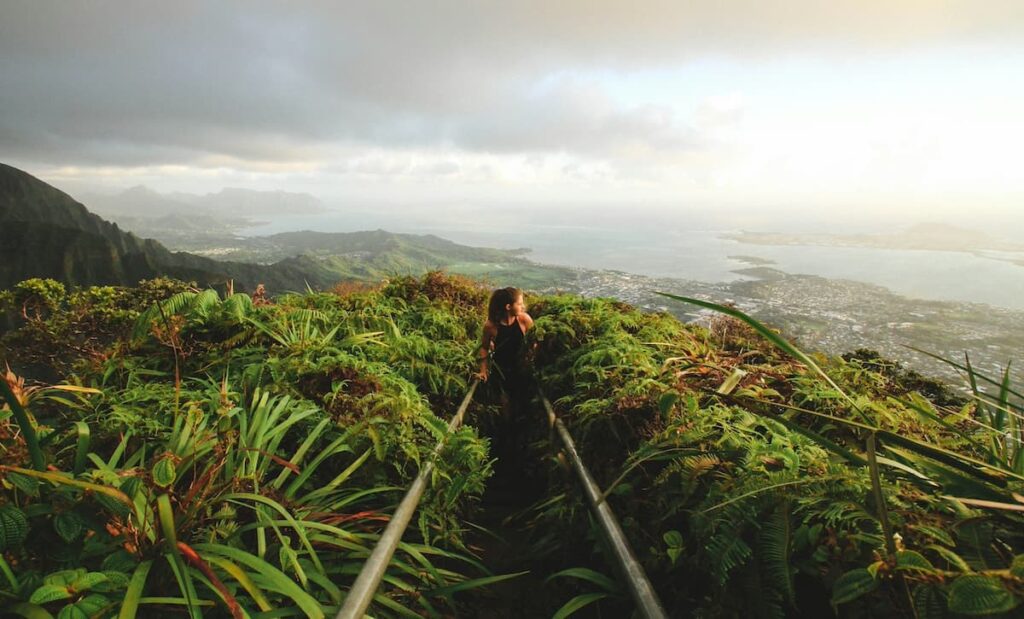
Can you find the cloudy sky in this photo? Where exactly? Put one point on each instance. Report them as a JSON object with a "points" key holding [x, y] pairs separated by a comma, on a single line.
{"points": [[866, 106]]}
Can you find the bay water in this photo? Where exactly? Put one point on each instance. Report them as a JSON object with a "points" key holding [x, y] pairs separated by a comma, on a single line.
{"points": [[696, 253]]}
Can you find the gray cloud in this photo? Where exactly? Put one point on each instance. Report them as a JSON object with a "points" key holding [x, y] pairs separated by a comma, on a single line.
{"points": [[114, 83]]}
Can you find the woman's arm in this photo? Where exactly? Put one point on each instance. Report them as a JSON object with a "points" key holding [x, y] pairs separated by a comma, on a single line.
{"points": [[525, 321], [486, 343]]}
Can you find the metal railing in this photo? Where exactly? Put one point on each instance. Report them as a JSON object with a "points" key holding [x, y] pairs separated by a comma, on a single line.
{"points": [[365, 586], [647, 602]]}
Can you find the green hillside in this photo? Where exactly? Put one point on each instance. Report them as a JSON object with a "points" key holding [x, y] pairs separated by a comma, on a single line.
{"points": [[45, 233], [233, 455]]}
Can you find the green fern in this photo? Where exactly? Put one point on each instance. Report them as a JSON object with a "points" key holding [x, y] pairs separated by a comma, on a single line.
{"points": [[775, 541], [238, 306], [759, 599], [727, 550]]}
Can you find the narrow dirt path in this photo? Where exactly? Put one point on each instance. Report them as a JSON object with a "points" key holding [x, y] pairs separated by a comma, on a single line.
{"points": [[505, 545], [504, 540]]}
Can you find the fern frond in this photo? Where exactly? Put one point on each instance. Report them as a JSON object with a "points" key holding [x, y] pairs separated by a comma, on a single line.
{"points": [[203, 303], [310, 315], [775, 541], [238, 306], [729, 551]]}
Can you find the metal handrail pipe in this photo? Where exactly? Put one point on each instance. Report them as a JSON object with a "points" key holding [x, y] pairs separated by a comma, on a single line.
{"points": [[365, 586], [640, 588]]}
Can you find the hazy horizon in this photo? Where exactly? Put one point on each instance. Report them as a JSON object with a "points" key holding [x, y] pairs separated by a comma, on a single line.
{"points": [[467, 214], [861, 116]]}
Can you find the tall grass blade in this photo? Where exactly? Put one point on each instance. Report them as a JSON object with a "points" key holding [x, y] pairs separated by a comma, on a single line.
{"points": [[923, 412], [474, 583], [137, 584], [1004, 398], [185, 584], [880, 506], [61, 478], [577, 603], [589, 575], [27, 429], [775, 339], [962, 368], [29, 611], [82, 448], [275, 578]]}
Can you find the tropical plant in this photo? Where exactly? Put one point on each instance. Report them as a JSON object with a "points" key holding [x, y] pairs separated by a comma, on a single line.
{"points": [[979, 490], [260, 490], [240, 457]]}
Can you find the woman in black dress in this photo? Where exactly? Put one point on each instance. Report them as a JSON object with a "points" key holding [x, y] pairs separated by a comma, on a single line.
{"points": [[503, 363]]}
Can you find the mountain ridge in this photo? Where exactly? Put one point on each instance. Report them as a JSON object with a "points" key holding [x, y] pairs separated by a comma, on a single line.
{"points": [[46, 233], [49, 234]]}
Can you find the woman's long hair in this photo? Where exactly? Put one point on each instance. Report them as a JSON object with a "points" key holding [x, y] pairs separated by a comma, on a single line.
{"points": [[501, 297]]}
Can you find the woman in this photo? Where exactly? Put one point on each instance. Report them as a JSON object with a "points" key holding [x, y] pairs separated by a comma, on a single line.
{"points": [[503, 364]]}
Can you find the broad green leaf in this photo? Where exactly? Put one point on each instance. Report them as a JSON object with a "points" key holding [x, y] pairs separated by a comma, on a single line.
{"points": [[673, 538], [64, 578], [953, 558], [937, 534], [69, 525], [13, 527], [92, 604], [164, 472], [975, 594], [666, 402], [72, 611], [1017, 567], [116, 581], [852, 585], [49, 593], [88, 581], [119, 561], [24, 483], [911, 560]]}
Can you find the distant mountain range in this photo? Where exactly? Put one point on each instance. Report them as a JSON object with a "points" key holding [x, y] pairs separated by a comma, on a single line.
{"points": [[46, 233], [230, 202], [926, 236]]}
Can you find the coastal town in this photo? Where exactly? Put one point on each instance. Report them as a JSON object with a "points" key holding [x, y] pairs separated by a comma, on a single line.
{"points": [[838, 316]]}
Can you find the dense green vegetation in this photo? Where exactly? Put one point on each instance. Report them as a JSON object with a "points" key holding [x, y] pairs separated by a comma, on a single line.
{"points": [[232, 452], [244, 454]]}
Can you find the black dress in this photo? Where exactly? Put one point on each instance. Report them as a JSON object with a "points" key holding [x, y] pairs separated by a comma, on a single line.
{"points": [[511, 376], [510, 363]]}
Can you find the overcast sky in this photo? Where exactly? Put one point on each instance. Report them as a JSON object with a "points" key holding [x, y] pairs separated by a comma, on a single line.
{"points": [[830, 106]]}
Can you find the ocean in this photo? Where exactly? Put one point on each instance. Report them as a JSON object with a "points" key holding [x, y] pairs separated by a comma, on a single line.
{"points": [[700, 253]]}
